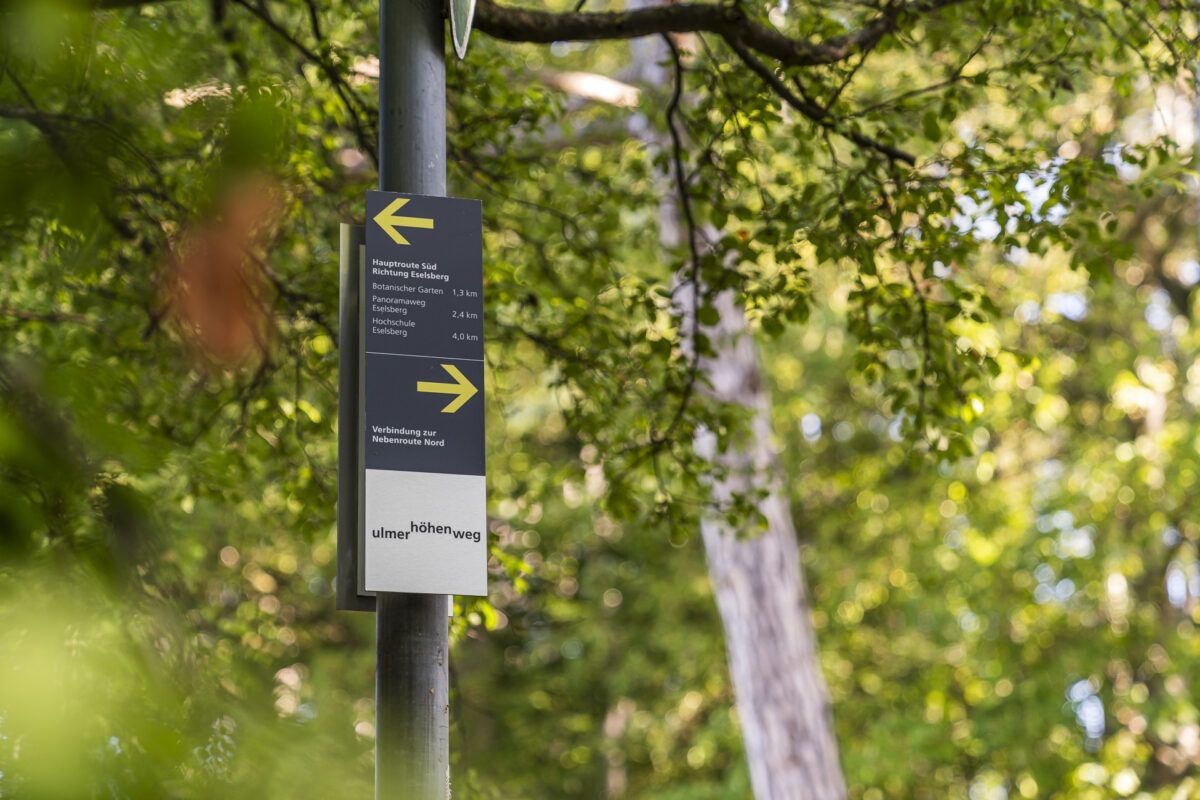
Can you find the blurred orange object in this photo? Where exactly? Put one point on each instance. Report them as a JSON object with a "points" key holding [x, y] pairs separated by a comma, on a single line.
{"points": [[216, 283]]}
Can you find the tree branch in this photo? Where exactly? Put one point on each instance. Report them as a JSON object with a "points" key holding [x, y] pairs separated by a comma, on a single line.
{"points": [[353, 104], [812, 110], [728, 21], [685, 202], [25, 315]]}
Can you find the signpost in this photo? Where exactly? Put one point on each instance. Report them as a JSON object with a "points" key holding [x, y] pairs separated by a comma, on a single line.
{"points": [[434, 488], [422, 377]]}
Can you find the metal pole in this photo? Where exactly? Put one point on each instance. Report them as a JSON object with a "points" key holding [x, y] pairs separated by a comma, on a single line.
{"points": [[412, 695], [412, 97]]}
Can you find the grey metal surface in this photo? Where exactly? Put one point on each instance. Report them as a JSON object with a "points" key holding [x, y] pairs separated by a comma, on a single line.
{"points": [[412, 97], [412, 698], [412, 693], [349, 519]]}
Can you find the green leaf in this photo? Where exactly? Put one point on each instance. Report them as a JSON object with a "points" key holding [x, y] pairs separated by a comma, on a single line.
{"points": [[931, 127]]}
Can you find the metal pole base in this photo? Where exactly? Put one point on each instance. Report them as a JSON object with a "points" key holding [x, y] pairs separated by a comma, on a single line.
{"points": [[412, 698]]}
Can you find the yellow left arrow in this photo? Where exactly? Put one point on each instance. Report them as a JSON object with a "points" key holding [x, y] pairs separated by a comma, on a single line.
{"points": [[462, 387], [388, 220]]}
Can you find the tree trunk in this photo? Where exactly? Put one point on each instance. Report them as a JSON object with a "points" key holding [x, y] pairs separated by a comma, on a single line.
{"points": [[782, 701]]}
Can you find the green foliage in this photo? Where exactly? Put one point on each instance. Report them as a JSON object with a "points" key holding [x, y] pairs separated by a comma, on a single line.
{"points": [[994, 497]]}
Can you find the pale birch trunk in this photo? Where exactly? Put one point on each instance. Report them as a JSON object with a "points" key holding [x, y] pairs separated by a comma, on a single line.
{"points": [[782, 700]]}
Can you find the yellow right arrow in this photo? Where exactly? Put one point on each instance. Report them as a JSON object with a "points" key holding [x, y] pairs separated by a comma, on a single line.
{"points": [[462, 387], [388, 220]]}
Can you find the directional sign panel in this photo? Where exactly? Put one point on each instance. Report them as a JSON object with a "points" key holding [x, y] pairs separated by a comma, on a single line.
{"points": [[423, 455]]}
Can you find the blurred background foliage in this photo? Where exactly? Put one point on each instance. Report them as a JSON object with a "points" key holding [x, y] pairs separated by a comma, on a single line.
{"points": [[1006, 598]]}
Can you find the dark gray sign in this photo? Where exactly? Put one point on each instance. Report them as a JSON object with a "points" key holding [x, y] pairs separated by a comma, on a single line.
{"points": [[422, 333]]}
